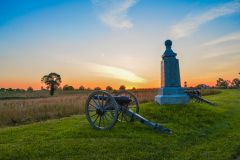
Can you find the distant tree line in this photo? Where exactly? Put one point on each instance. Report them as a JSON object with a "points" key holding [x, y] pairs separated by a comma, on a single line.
{"points": [[67, 87], [17, 90], [227, 83]]}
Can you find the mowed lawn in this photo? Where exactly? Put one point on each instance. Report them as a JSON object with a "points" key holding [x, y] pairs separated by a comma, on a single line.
{"points": [[200, 131]]}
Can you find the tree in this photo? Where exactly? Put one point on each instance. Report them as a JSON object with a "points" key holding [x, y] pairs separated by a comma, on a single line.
{"points": [[52, 80], [9, 89], [18, 90], [222, 83], [70, 88], [122, 87], [30, 89], [227, 83], [235, 82], [2, 89], [109, 88], [22, 89], [97, 88], [133, 88], [81, 88], [66, 87]]}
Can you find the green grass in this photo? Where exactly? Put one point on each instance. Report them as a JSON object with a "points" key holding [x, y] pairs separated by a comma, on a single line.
{"points": [[200, 131]]}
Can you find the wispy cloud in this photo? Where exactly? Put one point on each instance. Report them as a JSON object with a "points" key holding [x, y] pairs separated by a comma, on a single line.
{"points": [[190, 24], [115, 14], [116, 73], [221, 50], [233, 36]]}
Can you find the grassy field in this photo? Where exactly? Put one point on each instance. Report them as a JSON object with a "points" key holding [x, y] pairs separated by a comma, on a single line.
{"points": [[200, 131], [62, 104]]}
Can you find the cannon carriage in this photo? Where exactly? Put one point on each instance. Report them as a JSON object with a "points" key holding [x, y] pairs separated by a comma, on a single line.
{"points": [[196, 96], [103, 111]]}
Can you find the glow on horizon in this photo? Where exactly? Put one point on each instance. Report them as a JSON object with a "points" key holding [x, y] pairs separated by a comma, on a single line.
{"points": [[116, 73]]}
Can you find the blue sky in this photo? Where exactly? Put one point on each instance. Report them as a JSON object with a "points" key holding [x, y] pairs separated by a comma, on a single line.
{"points": [[87, 42]]}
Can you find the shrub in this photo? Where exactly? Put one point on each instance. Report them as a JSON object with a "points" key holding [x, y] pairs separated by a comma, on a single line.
{"points": [[18, 90], [81, 88], [97, 88], [109, 88], [9, 89], [66, 87], [30, 89], [114, 91], [122, 87]]}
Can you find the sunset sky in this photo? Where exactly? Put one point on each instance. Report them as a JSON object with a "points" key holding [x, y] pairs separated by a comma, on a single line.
{"points": [[96, 43]]}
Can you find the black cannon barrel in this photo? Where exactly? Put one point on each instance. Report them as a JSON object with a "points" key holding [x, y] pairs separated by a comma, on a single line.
{"points": [[120, 99]]}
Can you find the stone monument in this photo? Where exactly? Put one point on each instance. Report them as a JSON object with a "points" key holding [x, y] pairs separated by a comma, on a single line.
{"points": [[171, 91]]}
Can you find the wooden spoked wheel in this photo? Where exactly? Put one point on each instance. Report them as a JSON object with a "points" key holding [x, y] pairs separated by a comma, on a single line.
{"points": [[101, 110], [134, 106]]}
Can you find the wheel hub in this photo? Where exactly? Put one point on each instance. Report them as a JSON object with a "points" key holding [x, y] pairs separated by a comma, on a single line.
{"points": [[100, 111]]}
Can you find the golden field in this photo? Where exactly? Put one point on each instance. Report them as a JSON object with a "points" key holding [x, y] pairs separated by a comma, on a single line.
{"points": [[41, 106]]}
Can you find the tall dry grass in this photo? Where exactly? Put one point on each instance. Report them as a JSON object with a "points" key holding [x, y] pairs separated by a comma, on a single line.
{"points": [[206, 92], [16, 112]]}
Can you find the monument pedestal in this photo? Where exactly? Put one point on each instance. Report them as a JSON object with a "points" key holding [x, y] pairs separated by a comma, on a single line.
{"points": [[171, 91], [171, 95]]}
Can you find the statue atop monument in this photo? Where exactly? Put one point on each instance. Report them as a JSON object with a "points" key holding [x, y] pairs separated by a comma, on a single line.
{"points": [[171, 91]]}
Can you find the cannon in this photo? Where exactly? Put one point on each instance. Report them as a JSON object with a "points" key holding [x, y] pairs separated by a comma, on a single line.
{"points": [[196, 96], [103, 111]]}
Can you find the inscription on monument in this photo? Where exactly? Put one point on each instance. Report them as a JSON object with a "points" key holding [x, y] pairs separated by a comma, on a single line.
{"points": [[162, 74], [170, 76]]}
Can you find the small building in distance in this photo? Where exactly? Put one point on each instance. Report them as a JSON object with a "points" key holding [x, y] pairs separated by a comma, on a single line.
{"points": [[202, 86], [42, 89]]}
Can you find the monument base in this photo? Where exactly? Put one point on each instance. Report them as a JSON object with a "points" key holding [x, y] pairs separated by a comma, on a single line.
{"points": [[172, 95]]}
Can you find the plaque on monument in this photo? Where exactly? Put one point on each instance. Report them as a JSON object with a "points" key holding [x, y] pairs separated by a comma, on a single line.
{"points": [[171, 91]]}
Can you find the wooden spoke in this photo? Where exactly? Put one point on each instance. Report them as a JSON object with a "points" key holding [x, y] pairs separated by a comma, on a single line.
{"points": [[102, 99], [92, 110], [107, 119], [131, 102], [108, 106], [96, 102], [103, 122], [93, 105], [106, 102], [109, 116], [95, 119], [93, 115], [99, 121]]}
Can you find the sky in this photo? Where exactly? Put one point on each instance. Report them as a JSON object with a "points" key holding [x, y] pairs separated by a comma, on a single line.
{"points": [[99, 43]]}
